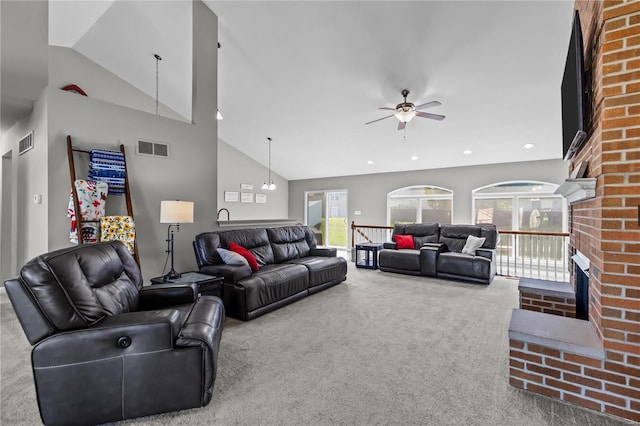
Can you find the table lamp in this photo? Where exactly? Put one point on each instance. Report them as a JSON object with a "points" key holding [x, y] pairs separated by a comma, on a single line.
{"points": [[174, 213]]}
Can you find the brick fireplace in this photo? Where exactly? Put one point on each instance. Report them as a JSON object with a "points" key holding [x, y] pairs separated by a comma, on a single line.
{"points": [[599, 367]]}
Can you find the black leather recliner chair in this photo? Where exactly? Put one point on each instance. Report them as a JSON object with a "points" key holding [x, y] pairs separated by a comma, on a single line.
{"points": [[106, 348]]}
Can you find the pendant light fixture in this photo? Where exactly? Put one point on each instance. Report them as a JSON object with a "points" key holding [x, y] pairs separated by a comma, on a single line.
{"points": [[269, 183], [158, 59]]}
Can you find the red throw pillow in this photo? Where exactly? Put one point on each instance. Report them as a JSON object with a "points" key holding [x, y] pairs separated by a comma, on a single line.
{"points": [[404, 241], [253, 263]]}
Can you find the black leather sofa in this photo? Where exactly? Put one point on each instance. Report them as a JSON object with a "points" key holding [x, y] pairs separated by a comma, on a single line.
{"points": [[437, 252], [105, 347], [291, 267]]}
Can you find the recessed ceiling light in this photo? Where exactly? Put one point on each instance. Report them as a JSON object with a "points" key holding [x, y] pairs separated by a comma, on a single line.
{"points": [[369, 162], [414, 157], [466, 151], [528, 145]]}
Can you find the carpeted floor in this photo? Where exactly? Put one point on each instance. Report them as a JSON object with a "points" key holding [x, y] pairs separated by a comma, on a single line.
{"points": [[380, 348]]}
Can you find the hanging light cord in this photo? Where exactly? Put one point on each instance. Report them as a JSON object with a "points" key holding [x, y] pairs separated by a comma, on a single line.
{"points": [[158, 59], [270, 180]]}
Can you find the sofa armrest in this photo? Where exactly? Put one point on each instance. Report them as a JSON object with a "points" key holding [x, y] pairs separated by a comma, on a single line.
{"points": [[158, 296], [429, 258], [231, 273], [436, 246], [390, 245], [113, 336], [324, 252], [488, 253]]}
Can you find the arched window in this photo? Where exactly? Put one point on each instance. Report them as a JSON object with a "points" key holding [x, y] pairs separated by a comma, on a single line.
{"points": [[521, 206], [419, 204]]}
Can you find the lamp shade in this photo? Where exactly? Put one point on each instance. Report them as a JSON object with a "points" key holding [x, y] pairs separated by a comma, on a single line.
{"points": [[406, 116], [176, 211]]}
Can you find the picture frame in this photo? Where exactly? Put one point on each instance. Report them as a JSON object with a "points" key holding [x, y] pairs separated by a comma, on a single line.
{"points": [[246, 197], [261, 198], [231, 196]]}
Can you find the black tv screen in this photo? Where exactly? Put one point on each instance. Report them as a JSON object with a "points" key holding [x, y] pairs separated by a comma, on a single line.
{"points": [[573, 94]]}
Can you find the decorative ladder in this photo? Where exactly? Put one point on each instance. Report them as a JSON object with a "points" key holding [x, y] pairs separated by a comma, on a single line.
{"points": [[78, 213]]}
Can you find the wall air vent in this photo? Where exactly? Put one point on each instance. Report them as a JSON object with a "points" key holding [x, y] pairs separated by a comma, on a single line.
{"points": [[153, 149], [25, 143]]}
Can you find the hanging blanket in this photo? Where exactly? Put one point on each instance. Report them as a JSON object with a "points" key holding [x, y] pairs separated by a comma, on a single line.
{"points": [[118, 228], [108, 166], [92, 197]]}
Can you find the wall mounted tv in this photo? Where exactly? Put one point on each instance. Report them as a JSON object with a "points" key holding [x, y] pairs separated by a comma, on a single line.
{"points": [[573, 94]]}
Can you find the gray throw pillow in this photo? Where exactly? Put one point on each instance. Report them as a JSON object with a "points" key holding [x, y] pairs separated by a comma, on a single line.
{"points": [[472, 244], [232, 258]]}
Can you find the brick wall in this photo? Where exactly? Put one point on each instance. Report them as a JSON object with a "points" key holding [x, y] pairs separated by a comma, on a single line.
{"points": [[565, 307], [604, 228], [603, 385]]}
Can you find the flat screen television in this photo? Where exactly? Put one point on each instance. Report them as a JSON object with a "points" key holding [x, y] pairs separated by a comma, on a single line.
{"points": [[573, 94]]}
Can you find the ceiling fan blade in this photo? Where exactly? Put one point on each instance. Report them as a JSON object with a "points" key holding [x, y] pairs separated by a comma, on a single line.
{"points": [[428, 105], [380, 119], [401, 125], [431, 116], [387, 108]]}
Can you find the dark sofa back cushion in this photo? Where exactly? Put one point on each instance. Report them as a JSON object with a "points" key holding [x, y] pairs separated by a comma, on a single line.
{"points": [[205, 246], [422, 232], [255, 240], [288, 242], [490, 232], [77, 286], [455, 236]]}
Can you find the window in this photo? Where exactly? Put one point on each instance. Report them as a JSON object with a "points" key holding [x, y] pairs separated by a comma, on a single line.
{"points": [[520, 206], [419, 204]]}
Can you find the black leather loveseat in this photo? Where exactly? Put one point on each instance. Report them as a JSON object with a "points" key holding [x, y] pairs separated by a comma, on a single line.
{"points": [[291, 266], [438, 252]]}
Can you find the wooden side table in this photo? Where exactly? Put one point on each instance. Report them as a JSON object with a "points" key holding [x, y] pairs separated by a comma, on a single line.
{"points": [[207, 284], [367, 255]]}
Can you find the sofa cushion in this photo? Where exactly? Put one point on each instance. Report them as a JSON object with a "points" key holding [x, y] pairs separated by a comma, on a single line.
{"points": [[288, 242], [322, 269], [254, 240], [404, 242], [273, 283], [408, 260], [490, 232], [464, 265], [455, 236], [251, 259]]}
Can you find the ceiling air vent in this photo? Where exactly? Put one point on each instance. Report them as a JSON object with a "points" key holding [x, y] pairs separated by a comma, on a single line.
{"points": [[151, 148], [25, 143]]}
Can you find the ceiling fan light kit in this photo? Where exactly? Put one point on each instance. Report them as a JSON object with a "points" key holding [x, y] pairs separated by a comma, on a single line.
{"points": [[405, 111]]}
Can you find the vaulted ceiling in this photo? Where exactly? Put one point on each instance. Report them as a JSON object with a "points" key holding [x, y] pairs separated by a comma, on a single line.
{"points": [[309, 74]]}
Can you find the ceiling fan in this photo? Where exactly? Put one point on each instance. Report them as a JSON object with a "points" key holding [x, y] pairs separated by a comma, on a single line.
{"points": [[405, 111]]}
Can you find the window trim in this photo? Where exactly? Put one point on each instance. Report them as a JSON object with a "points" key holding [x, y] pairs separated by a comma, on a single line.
{"points": [[515, 197], [419, 199]]}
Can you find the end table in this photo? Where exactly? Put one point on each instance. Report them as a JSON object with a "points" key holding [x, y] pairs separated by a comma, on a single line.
{"points": [[367, 255], [207, 284]]}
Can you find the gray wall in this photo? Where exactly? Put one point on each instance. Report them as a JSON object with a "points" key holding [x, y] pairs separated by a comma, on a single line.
{"points": [[190, 173], [235, 168], [368, 193], [28, 228], [71, 67]]}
